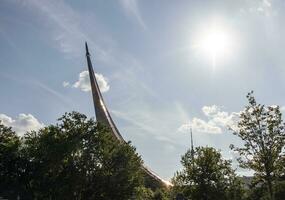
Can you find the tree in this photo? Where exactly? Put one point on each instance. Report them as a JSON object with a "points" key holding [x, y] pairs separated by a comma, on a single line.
{"points": [[262, 131], [160, 194], [9, 148], [206, 175], [74, 159], [143, 193], [279, 189]]}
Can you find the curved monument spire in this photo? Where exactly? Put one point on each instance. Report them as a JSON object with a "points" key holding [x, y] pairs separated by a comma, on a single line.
{"points": [[103, 116]]}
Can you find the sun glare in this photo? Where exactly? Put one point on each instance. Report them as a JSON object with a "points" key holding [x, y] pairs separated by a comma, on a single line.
{"points": [[214, 43]]}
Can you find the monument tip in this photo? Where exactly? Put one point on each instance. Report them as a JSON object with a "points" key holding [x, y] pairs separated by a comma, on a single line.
{"points": [[86, 47]]}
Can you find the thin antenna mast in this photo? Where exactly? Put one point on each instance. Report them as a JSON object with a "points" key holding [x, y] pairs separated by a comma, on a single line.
{"points": [[192, 146]]}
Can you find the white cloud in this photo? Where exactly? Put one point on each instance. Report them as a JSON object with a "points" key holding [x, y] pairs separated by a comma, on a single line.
{"points": [[205, 127], [265, 7], [221, 118], [210, 110], [282, 108], [22, 123], [201, 126], [103, 83], [262, 7], [83, 82], [65, 84], [217, 120], [131, 9]]}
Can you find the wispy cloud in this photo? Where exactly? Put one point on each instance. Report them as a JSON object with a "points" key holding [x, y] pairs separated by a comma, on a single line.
{"points": [[131, 9], [41, 86], [52, 92], [22, 123], [150, 121], [65, 26], [133, 121]]}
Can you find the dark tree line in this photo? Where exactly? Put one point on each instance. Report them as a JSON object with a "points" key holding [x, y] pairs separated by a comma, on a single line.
{"points": [[74, 159]]}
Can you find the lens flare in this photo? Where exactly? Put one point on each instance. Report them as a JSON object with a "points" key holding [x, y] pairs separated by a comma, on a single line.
{"points": [[215, 43]]}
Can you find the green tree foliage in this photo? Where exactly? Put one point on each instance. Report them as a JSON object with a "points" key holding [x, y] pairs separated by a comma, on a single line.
{"points": [[10, 162], [74, 159], [279, 189], [206, 175], [161, 194], [143, 193], [262, 131]]}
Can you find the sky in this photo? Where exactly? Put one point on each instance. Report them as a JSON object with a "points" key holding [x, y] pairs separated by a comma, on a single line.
{"points": [[161, 65]]}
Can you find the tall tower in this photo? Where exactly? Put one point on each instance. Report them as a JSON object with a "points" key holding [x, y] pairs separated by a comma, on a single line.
{"points": [[101, 112], [97, 97], [103, 116], [192, 145]]}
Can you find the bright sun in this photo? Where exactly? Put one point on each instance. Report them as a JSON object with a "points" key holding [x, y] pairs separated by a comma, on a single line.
{"points": [[215, 43]]}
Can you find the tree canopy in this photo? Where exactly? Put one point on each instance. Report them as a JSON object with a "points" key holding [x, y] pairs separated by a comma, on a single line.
{"points": [[206, 175], [74, 159], [262, 131]]}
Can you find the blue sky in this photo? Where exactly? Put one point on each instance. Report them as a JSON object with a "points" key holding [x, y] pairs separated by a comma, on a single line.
{"points": [[155, 76]]}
